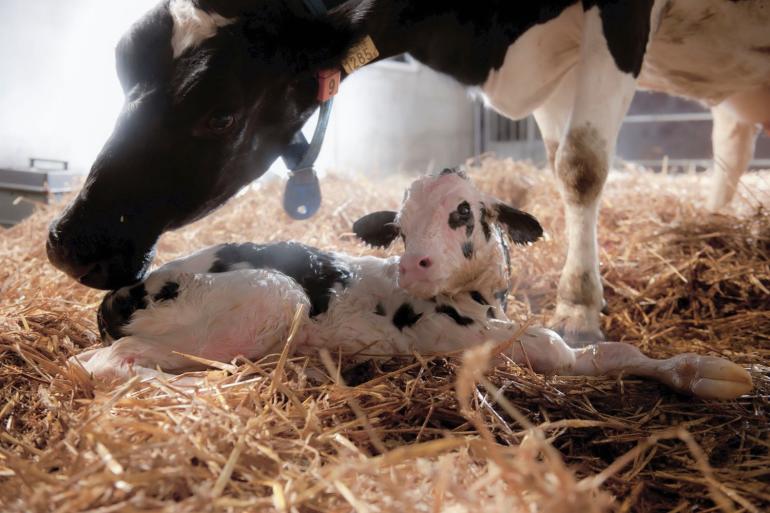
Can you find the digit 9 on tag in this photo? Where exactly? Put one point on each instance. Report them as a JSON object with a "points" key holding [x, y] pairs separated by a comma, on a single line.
{"points": [[328, 84]]}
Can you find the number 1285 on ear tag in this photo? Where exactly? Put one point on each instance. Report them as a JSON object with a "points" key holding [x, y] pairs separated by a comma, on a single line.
{"points": [[360, 55]]}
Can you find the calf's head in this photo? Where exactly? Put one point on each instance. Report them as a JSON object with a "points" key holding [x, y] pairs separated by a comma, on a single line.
{"points": [[214, 92], [451, 232]]}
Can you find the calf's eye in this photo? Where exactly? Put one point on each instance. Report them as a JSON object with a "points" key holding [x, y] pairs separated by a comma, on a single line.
{"points": [[464, 209]]}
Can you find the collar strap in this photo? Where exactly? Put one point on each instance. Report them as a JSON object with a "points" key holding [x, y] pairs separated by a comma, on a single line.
{"points": [[316, 7], [302, 197]]}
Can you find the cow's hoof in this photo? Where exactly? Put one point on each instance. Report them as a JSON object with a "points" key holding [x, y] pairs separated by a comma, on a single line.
{"points": [[715, 378], [578, 325]]}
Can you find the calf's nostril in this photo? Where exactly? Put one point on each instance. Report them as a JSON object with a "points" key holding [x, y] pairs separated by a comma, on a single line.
{"points": [[426, 262]]}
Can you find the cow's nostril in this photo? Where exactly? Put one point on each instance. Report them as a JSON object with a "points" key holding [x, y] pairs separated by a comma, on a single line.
{"points": [[426, 262]]}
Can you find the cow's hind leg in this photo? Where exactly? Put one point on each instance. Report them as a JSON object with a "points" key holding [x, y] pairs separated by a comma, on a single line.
{"points": [[707, 377], [733, 141], [602, 96]]}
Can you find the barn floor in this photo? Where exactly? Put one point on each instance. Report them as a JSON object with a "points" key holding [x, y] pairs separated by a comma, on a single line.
{"points": [[423, 433]]}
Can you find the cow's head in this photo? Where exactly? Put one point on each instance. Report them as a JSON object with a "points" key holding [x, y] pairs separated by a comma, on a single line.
{"points": [[452, 234], [214, 91]]}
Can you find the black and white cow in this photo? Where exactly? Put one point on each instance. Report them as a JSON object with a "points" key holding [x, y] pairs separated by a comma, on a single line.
{"points": [[215, 90], [445, 293]]}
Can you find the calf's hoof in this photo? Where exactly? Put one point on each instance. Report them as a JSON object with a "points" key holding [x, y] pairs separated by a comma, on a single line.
{"points": [[709, 377], [716, 378], [578, 325]]}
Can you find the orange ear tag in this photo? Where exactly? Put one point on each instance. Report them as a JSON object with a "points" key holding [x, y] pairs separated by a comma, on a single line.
{"points": [[328, 84]]}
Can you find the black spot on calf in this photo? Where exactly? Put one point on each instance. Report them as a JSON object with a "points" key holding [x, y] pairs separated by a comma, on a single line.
{"points": [[479, 298], [116, 311], [485, 218], [169, 291], [405, 317], [467, 248], [218, 267], [463, 216], [454, 314], [453, 171], [315, 270]]}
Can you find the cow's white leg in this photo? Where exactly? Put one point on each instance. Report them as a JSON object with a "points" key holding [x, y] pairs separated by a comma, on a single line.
{"points": [[582, 163], [707, 377], [733, 141], [553, 115]]}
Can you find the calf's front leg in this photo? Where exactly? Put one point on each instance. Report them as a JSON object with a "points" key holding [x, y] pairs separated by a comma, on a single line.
{"points": [[129, 357]]}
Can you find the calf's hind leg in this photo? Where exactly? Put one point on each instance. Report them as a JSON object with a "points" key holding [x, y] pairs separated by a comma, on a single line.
{"points": [[217, 316], [707, 377]]}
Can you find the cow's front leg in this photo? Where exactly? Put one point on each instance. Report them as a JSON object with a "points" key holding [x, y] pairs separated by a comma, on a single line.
{"points": [[602, 96]]}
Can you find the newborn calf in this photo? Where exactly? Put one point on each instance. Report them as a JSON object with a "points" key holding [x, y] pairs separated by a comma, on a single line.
{"points": [[447, 292]]}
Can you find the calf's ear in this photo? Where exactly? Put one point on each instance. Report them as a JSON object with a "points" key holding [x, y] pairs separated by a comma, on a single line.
{"points": [[377, 229], [522, 227]]}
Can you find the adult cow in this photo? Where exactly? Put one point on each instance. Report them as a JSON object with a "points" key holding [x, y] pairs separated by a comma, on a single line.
{"points": [[215, 90]]}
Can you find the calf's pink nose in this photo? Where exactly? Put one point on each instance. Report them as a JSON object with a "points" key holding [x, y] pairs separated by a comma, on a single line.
{"points": [[415, 266]]}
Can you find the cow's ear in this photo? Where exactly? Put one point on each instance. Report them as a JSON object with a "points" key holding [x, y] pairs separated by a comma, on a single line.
{"points": [[287, 40], [522, 227], [377, 229]]}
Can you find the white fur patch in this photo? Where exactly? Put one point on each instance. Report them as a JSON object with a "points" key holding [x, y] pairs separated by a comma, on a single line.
{"points": [[192, 26]]}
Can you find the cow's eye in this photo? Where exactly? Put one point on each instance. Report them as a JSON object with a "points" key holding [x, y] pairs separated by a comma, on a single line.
{"points": [[464, 209], [220, 123]]}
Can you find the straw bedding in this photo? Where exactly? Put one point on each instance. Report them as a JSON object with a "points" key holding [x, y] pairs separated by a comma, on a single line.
{"points": [[419, 433]]}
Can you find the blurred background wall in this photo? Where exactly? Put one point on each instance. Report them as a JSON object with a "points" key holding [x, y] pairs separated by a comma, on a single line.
{"points": [[59, 95]]}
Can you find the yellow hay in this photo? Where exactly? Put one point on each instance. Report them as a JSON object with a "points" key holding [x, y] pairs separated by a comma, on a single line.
{"points": [[412, 434]]}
